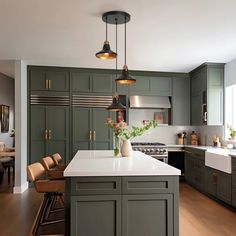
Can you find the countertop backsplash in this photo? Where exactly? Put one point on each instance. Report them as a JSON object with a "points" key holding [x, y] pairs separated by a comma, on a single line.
{"points": [[168, 134]]}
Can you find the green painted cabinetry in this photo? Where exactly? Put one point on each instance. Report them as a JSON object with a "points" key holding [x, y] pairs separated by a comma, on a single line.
{"points": [[207, 87], [141, 205], [218, 184], [49, 80], [49, 132], [89, 129], [234, 181], [181, 101], [195, 168], [149, 85], [88, 82]]}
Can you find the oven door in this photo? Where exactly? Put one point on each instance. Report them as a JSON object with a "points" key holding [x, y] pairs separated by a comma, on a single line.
{"points": [[163, 158]]}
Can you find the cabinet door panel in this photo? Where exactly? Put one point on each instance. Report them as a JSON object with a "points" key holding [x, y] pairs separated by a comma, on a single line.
{"points": [[81, 82], [196, 110], [82, 126], [37, 133], [224, 187], [58, 80], [102, 83], [96, 215], [103, 135], [152, 213], [211, 185], [142, 84], [181, 101], [58, 126], [37, 80], [161, 86]]}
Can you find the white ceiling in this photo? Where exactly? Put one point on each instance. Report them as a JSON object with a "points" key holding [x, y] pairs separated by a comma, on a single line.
{"points": [[170, 35]]}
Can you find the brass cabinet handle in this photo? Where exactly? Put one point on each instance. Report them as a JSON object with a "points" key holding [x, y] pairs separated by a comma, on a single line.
{"points": [[49, 84], [46, 134], [94, 135], [46, 84], [49, 134], [90, 135]]}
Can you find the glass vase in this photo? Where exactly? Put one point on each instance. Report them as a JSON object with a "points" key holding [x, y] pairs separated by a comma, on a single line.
{"points": [[116, 146]]}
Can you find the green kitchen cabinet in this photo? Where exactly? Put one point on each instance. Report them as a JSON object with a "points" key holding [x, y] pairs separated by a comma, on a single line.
{"points": [[122, 205], [153, 212], [91, 82], [195, 168], [181, 101], [49, 132], [96, 215], [49, 80], [89, 129], [234, 181], [149, 85], [218, 184], [207, 92]]}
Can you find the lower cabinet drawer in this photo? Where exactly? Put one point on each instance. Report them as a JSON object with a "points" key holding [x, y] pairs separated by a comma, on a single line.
{"points": [[95, 185], [148, 184]]}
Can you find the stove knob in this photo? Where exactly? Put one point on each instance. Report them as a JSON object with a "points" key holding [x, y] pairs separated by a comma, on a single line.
{"points": [[140, 149], [152, 150], [164, 150], [157, 150], [148, 149], [144, 150]]}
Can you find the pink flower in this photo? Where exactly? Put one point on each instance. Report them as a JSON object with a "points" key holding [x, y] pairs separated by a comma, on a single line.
{"points": [[116, 125], [120, 118], [123, 124]]}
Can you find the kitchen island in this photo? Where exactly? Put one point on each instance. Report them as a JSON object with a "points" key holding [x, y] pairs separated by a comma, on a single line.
{"points": [[121, 196]]}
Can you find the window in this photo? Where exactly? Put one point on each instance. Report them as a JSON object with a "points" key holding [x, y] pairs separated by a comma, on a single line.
{"points": [[230, 109]]}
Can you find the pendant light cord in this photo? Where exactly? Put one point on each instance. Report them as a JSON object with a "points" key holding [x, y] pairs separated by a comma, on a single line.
{"points": [[125, 40], [106, 28], [116, 53]]}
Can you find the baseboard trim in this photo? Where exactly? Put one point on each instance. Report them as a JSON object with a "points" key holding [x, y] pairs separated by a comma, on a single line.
{"points": [[21, 189]]}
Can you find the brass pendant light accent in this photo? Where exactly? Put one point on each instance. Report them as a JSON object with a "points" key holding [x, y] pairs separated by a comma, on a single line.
{"points": [[125, 78], [106, 53]]}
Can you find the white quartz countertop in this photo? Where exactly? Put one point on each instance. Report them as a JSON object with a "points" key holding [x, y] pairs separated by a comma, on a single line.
{"points": [[103, 163]]}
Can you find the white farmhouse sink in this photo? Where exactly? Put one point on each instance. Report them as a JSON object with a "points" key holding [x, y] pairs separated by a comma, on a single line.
{"points": [[219, 159]]}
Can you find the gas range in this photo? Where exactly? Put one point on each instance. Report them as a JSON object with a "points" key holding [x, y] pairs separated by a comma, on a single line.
{"points": [[156, 150]]}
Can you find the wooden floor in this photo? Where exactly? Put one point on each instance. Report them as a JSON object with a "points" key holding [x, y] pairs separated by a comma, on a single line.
{"points": [[202, 216], [199, 215]]}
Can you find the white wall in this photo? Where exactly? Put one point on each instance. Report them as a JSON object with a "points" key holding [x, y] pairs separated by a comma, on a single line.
{"points": [[21, 183], [7, 98], [230, 73]]}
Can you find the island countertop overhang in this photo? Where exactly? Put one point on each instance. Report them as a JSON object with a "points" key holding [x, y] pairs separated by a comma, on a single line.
{"points": [[103, 163]]}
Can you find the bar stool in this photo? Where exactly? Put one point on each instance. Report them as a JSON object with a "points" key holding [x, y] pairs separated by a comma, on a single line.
{"points": [[51, 189], [51, 168], [58, 161]]}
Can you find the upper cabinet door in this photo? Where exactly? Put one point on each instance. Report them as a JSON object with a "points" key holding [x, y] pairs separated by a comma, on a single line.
{"points": [[161, 86], [102, 83], [41, 80], [181, 101], [92, 82], [142, 85], [81, 82]]}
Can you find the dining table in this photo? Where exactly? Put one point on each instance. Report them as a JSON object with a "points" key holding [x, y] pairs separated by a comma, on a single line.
{"points": [[7, 160]]}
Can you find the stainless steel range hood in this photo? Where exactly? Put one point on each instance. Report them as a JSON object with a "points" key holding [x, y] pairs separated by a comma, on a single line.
{"points": [[149, 102]]}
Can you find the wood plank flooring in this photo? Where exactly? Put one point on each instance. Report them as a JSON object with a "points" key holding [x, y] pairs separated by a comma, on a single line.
{"points": [[202, 216], [199, 215]]}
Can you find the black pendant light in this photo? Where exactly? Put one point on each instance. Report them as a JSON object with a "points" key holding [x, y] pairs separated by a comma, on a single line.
{"points": [[125, 78], [116, 105], [106, 52]]}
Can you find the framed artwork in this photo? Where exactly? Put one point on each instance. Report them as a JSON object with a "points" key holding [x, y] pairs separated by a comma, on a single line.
{"points": [[5, 118], [159, 117]]}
